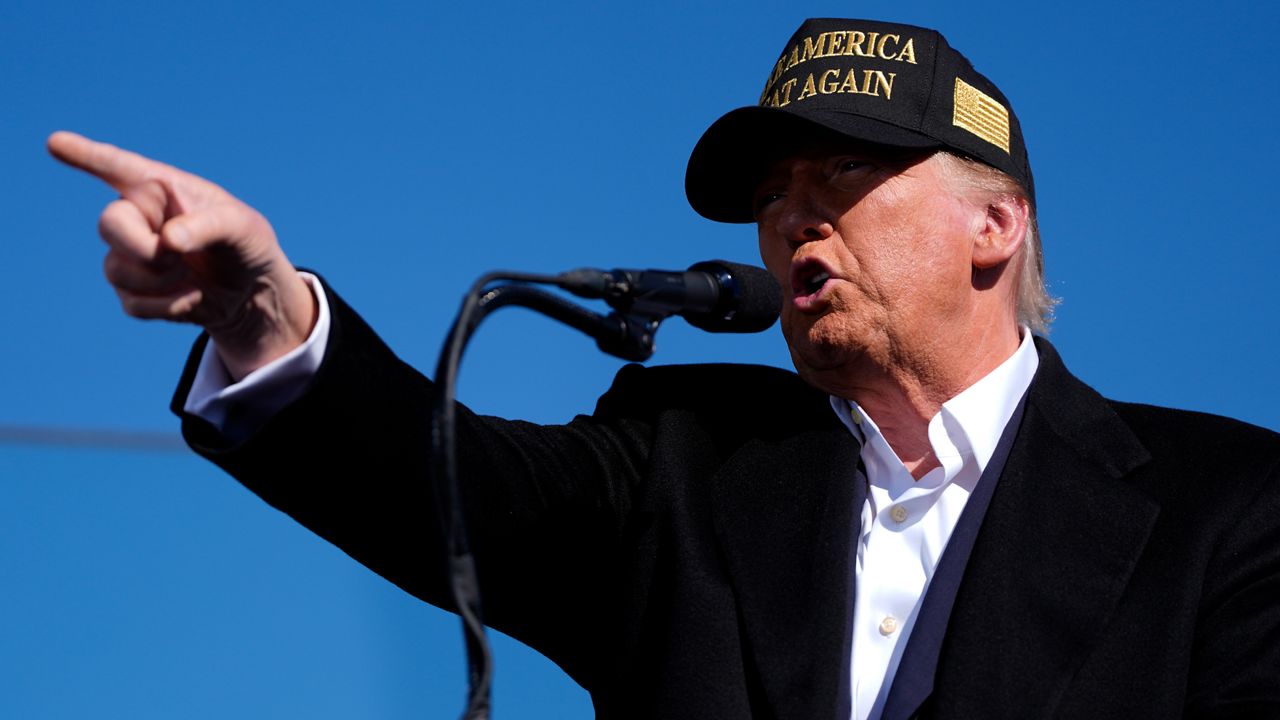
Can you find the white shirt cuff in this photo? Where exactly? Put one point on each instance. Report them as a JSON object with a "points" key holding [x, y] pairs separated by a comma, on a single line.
{"points": [[265, 391]]}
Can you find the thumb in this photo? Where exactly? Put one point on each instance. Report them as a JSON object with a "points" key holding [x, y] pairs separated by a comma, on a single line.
{"points": [[228, 222], [155, 199]]}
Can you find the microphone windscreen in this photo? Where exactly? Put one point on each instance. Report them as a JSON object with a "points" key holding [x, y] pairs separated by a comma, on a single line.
{"points": [[750, 298]]}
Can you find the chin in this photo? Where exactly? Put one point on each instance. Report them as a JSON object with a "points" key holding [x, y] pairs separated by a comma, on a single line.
{"points": [[824, 352], [815, 361]]}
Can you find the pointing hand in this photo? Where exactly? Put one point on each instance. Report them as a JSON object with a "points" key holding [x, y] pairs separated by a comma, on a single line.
{"points": [[181, 248]]}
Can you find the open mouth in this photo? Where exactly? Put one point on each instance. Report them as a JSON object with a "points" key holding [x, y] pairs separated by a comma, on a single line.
{"points": [[808, 277]]}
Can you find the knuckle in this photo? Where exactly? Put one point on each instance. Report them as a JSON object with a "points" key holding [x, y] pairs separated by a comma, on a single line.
{"points": [[122, 227], [112, 216]]}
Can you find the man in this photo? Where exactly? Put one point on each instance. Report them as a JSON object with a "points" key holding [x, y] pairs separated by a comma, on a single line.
{"points": [[733, 541]]}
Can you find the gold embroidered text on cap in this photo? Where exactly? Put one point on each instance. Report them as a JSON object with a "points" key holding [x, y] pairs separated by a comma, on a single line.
{"points": [[981, 115], [840, 80]]}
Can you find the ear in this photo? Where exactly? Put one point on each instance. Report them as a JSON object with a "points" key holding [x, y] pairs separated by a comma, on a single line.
{"points": [[1002, 232]]}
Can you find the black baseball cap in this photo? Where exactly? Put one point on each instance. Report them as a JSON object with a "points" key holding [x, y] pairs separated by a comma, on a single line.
{"points": [[881, 83]]}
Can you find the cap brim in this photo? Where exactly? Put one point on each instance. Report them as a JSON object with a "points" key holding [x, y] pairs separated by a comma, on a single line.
{"points": [[733, 155]]}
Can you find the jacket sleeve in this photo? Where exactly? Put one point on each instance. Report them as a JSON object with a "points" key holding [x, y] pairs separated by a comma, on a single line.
{"points": [[545, 505]]}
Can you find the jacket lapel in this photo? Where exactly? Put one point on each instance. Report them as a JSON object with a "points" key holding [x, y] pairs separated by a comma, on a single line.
{"points": [[785, 512], [1054, 555], [913, 682]]}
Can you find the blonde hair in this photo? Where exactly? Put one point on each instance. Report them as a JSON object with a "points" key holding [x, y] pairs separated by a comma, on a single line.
{"points": [[1034, 303]]}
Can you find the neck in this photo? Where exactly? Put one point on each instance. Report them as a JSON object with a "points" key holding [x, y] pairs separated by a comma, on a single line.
{"points": [[904, 396]]}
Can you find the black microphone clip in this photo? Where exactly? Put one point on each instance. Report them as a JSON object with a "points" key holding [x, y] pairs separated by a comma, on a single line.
{"points": [[714, 295]]}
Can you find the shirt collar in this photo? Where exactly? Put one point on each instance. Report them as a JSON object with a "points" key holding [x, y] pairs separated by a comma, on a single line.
{"points": [[984, 408], [973, 420]]}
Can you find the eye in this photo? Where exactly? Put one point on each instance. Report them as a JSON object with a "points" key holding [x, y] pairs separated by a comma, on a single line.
{"points": [[850, 165], [850, 173], [763, 199]]}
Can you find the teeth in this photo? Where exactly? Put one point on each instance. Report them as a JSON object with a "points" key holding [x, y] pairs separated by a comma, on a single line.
{"points": [[815, 283]]}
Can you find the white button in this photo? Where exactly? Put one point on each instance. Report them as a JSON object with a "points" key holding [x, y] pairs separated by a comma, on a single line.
{"points": [[888, 625], [857, 416], [898, 513]]}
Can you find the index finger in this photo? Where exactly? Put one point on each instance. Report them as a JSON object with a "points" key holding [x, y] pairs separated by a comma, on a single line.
{"points": [[118, 168]]}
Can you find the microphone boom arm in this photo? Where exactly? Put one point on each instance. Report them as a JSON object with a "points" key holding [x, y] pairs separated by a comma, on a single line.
{"points": [[629, 337]]}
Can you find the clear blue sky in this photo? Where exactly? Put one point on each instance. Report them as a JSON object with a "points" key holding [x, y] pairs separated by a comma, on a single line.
{"points": [[403, 150]]}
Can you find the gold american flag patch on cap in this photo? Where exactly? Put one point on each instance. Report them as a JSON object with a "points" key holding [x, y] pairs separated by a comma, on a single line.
{"points": [[981, 115]]}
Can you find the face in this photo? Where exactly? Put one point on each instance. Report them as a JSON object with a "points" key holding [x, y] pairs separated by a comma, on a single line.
{"points": [[873, 253]]}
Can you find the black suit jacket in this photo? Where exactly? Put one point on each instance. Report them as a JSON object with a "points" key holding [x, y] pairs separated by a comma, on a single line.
{"points": [[685, 550]]}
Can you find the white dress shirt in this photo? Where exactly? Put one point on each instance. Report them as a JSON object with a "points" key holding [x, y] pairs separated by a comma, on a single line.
{"points": [[906, 523]]}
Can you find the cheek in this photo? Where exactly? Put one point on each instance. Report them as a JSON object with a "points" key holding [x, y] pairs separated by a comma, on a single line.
{"points": [[777, 260], [927, 255]]}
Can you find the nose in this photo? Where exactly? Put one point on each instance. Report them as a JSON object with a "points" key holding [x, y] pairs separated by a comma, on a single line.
{"points": [[802, 219]]}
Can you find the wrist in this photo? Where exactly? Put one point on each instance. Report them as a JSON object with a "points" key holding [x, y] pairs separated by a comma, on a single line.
{"points": [[275, 318]]}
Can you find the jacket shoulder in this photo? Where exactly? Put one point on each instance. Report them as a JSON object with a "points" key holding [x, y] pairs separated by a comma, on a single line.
{"points": [[717, 394], [1198, 437]]}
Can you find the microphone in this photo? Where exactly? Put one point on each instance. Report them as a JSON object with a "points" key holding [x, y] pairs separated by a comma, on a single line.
{"points": [[713, 295]]}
